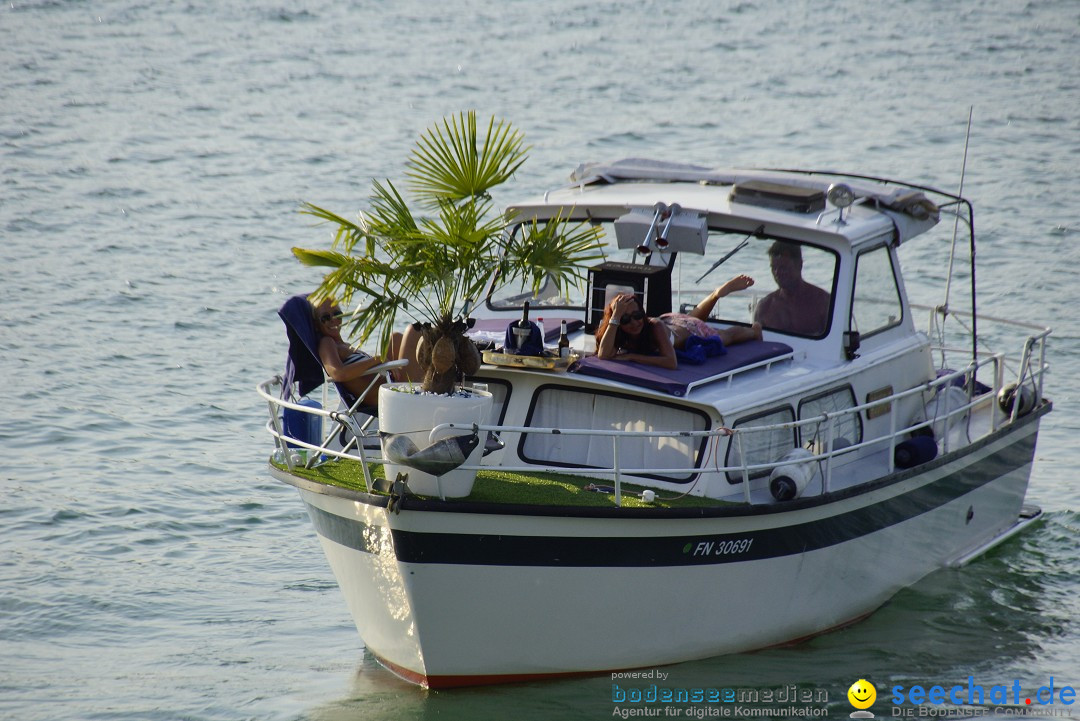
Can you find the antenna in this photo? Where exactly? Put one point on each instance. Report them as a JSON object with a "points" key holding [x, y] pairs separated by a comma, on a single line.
{"points": [[944, 309]]}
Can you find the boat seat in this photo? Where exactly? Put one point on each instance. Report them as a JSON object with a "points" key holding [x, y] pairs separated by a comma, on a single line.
{"points": [[680, 381]]}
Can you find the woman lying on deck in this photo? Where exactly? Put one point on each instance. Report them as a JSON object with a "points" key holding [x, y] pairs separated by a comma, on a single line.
{"points": [[626, 333]]}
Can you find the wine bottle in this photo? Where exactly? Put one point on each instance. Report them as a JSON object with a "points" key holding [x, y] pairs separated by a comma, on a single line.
{"points": [[521, 329], [543, 332], [564, 341]]}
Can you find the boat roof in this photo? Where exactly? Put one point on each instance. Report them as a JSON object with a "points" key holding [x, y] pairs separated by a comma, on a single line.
{"points": [[778, 203]]}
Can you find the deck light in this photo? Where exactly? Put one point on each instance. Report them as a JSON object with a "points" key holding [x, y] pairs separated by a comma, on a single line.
{"points": [[840, 195]]}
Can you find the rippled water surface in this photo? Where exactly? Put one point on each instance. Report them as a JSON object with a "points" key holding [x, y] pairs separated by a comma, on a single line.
{"points": [[153, 158]]}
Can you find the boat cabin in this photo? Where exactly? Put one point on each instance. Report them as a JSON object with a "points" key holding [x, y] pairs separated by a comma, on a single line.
{"points": [[844, 338]]}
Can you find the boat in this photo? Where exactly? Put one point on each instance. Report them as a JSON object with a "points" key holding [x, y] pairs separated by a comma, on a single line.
{"points": [[631, 516]]}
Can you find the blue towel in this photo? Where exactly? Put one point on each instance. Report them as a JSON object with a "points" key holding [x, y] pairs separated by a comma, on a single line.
{"points": [[302, 364], [697, 349]]}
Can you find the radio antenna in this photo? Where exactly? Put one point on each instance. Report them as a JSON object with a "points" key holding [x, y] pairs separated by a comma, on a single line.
{"points": [[944, 309]]}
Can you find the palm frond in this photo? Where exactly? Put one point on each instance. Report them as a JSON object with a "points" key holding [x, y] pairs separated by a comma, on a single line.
{"points": [[554, 249], [348, 233], [324, 258], [391, 214], [450, 163]]}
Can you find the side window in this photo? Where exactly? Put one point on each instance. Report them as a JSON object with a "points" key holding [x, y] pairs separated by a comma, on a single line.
{"points": [[876, 303], [762, 446], [560, 407], [846, 430]]}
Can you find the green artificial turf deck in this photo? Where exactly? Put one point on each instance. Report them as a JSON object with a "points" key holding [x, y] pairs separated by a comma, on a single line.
{"points": [[538, 488]]}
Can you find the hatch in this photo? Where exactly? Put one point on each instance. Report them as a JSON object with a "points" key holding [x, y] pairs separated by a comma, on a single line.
{"points": [[779, 196]]}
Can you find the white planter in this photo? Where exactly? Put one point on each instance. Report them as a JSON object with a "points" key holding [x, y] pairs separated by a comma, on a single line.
{"points": [[402, 411]]}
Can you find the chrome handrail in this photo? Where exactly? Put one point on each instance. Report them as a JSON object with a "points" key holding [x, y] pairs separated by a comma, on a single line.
{"points": [[1030, 372]]}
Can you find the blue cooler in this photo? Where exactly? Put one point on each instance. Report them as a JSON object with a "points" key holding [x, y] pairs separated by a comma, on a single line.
{"points": [[301, 425]]}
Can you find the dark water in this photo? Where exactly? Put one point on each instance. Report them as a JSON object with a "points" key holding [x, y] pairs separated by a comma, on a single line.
{"points": [[153, 158]]}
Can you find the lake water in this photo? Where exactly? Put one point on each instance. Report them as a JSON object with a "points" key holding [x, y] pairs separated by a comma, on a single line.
{"points": [[153, 159]]}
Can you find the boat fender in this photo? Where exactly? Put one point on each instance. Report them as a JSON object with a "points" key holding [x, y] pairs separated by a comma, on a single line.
{"points": [[1007, 398], [915, 451], [924, 431], [439, 458], [941, 409], [787, 480]]}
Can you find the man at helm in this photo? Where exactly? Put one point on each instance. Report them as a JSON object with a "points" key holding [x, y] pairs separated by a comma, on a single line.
{"points": [[795, 306]]}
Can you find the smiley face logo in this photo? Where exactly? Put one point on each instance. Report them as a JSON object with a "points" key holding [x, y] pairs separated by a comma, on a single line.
{"points": [[862, 694]]}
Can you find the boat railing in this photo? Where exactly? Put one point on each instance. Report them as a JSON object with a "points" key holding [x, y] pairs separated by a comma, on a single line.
{"points": [[946, 417], [1029, 370], [898, 432]]}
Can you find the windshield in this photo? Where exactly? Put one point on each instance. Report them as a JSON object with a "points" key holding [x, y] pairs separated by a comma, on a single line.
{"points": [[513, 295], [510, 296], [792, 290]]}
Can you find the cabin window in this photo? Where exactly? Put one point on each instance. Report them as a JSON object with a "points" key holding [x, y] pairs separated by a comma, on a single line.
{"points": [[558, 407], [875, 305], [761, 447], [846, 429]]}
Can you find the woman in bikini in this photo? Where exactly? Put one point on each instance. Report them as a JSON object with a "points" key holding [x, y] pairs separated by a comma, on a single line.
{"points": [[347, 365], [626, 333]]}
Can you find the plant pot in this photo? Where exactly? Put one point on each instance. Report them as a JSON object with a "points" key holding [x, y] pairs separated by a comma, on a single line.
{"points": [[404, 411]]}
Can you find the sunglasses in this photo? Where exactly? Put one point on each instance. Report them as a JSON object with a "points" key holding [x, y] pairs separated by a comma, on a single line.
{"points": [[627, 317], [327, 317]]}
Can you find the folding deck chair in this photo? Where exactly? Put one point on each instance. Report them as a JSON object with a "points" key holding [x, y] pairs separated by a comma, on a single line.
{"points": [[304, 370]]}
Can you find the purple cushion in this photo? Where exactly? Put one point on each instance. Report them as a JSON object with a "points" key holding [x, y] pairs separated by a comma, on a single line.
{"points": [[677, 382]]}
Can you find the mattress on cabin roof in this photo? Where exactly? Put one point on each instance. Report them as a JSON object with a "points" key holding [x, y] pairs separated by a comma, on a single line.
{"points": [[678, 382]]}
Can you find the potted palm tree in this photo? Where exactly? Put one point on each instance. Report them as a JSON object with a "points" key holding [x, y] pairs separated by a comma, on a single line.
{"points": [[429, 265]]}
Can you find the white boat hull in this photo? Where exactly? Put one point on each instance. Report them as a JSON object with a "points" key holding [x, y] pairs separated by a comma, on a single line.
{"points": [[471, 596]]}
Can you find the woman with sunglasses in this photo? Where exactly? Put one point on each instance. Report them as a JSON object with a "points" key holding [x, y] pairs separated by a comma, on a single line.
{"points": [[347, 365], [626, 333]]}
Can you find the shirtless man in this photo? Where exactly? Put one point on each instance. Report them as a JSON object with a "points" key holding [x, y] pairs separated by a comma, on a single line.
{"points": [[795, 306]]}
